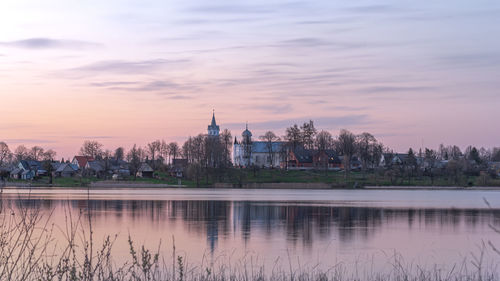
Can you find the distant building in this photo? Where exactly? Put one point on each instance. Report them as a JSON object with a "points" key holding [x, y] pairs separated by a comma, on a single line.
{"points": [[213, 128], [248, 153], [145, 171], [81, 161]]}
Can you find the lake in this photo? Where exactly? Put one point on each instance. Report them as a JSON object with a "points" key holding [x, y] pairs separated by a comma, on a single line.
{"points": [[358, 228]]}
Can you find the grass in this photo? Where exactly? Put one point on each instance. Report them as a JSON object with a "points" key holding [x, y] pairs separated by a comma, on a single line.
{"points": [[334, 178]]}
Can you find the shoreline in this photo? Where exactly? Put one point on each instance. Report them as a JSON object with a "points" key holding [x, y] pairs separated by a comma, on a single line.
{"points": [[292, 185]]}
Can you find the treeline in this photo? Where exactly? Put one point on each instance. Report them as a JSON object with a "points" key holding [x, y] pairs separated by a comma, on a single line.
{"points": [[210, 157]]}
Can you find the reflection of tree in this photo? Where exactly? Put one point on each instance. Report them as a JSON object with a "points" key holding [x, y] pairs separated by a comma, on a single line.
{"points": [[297, 222]]}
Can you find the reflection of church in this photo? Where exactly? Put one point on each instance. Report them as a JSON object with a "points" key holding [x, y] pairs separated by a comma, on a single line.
{"points": [[249, 153]]}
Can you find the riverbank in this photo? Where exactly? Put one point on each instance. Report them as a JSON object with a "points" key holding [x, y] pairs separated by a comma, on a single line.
{"points": [[249, 186]]}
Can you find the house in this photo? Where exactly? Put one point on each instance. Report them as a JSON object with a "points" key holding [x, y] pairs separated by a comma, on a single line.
{"points": [[16, 173], [81, 161], [29, 169], [95, 168], [314, 159], [118, 167], [66, 170], [145, 171], [494, 167], [248, 153]]}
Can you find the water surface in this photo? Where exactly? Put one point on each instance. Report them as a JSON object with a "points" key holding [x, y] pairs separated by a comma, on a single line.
{"points": [[354, 227]]}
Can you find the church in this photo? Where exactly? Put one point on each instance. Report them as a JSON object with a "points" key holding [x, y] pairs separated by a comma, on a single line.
{"points": [[248, 153]]}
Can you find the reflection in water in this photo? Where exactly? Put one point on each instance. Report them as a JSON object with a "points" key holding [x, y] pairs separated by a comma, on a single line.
{"points": [[296, 222]]}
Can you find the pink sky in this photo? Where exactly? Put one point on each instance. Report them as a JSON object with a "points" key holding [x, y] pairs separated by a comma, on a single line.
{"points": [[135, 71]]}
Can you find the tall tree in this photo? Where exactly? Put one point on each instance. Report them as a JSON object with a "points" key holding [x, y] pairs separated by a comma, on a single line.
{"points": [[323, 141], [346, 145], [91, 148], [119, 153], [36, 153], [308, 133], [294, 136], [49, 155], [21, 153], [269, 137], [226, 141], [154, 149], [366, 143], [134, 157], [5, 153], [174, 150]]}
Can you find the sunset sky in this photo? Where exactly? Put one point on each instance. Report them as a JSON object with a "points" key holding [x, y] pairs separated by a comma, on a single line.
{"points": [[125, 72]]}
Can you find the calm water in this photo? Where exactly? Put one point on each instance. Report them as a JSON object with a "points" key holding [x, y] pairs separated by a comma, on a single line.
{"points": [[306, 226]]}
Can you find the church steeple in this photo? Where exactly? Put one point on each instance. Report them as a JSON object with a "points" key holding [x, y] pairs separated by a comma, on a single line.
{"points": [[213, 128]]}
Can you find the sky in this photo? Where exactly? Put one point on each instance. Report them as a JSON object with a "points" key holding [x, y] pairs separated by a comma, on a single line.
{"points": [[413, 73]]}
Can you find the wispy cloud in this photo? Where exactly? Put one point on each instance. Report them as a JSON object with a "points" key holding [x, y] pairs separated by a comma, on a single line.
{"points": [[231, 9], [128, 67], [321, 122], [471, 60], [49, 43]]}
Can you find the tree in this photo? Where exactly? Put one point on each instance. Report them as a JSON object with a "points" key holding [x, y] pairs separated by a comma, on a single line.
{"points": [[49, 155], [308, 134], [411, 163], [346, 145], [5, 153], [154, 149], [495, 155], [471, 153], [269, 137], [174, 150], [134, 157], [36, 153], [91, 148], [21, 153], [294, 136], [366, 143], [226, 140], [430, 158], [323, 141], [119, 153]]}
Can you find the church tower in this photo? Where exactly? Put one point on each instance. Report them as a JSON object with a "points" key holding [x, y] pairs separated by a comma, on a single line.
{"points": [[213, 128], [247, 146]]}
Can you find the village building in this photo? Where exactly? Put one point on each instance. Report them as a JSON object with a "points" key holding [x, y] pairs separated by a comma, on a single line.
{"points": [[81, 161], [303, 159], [145, 171], [66, 170], [247, 152]]}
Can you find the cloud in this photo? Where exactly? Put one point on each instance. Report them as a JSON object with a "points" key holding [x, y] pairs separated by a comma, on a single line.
{"points": [[319, 122], [396, 89], [48, 43], [128, 67], [471, 60], [150, 86], [269, 108], [371, 9], [232, 9], [30, 141]]}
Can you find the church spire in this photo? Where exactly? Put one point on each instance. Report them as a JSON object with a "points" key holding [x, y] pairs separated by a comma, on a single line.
{"points": [[213, 118]]}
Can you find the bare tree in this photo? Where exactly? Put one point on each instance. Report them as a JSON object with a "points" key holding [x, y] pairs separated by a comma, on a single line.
{"points": [[308, 134], [91, 148], [154, 149], [269, 137], [134, 157], [346, 145], [323, 141], [49, 155], [21, 153], [294, 136], [174, 150], [5, 153], [366, 143], [36, 153]]}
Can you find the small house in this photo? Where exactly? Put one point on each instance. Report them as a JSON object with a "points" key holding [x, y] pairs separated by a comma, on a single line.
{"points": [[145, 171]]}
